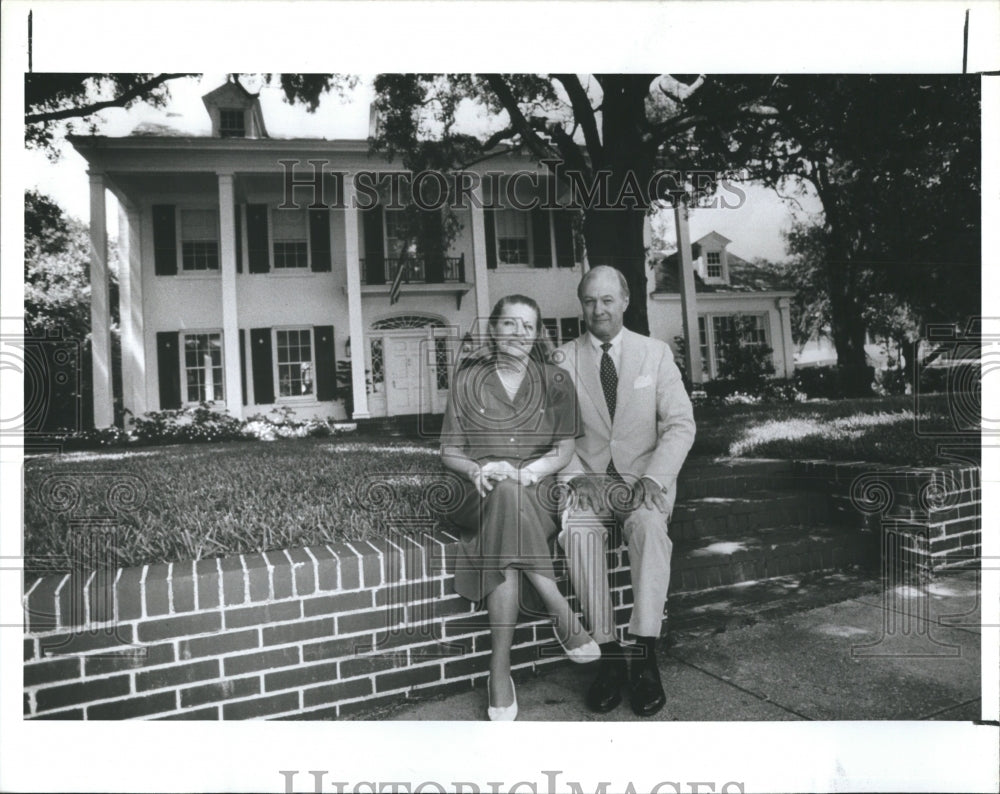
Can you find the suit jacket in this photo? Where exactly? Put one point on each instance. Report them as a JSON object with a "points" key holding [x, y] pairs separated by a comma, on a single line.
{"points": [[653, 429]]}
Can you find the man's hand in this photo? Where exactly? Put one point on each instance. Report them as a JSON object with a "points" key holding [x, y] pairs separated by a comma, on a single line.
{"points": [[587, 492], [650, 494]]}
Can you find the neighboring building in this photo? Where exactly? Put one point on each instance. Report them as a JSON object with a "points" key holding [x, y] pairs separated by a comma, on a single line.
{"points": [[227, 297], [725, 286]]}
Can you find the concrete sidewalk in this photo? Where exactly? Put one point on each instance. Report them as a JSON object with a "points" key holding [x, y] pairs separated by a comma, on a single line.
{"points": [[825, 647]]}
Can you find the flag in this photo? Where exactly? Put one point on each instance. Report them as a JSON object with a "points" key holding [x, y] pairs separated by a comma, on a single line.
{"points": [[397, 283]]}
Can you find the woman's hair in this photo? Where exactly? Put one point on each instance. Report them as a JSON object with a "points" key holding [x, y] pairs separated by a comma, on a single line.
{"points": [[541, 350]]}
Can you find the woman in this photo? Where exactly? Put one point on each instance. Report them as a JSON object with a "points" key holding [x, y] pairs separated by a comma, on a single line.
{"points": [[510, 422]]}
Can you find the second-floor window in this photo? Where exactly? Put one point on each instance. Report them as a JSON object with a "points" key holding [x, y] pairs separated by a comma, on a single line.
{"points": [[291, 234], [713, 262], [199, 239], [513, 237], [232, 123]]}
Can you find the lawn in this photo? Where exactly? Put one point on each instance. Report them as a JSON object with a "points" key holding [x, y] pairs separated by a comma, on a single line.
{"points": [[203, 500]]}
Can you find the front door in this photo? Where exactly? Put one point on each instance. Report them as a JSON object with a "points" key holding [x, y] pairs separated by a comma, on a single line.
{"points": [[403, 374]]}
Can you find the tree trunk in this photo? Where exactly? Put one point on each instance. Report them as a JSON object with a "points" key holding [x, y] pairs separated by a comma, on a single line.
{"points": [[848, 330], [614, 237]]}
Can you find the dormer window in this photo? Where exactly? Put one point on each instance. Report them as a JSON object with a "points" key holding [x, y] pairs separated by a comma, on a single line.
{"points": [[713, 264], [232, 123]]}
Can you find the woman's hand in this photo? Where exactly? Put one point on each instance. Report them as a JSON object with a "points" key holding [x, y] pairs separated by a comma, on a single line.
{"points": [[486, 476]]}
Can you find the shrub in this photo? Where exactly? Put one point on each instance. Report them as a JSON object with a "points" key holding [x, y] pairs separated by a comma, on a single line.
{"points": [[891, 381], [94, 438], [201, 423], [748, 363]]}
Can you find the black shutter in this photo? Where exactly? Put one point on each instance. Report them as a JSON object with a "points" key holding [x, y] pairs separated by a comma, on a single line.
{"points": [[570, 327], [326, 362], [319, 240], [540, 237], [374, 245], [168, 368], [565, 245], [263, 372], [432, 246], [257, 239], [243, 366], [238, 216], [491, 238], [164, 240]]}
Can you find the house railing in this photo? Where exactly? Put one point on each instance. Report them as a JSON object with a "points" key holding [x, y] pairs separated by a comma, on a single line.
{"points": [[417, 269]]}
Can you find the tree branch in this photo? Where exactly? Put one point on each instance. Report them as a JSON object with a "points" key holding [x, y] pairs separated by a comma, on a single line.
{"points": [[583, 113], [117, 102], [531, 139]]}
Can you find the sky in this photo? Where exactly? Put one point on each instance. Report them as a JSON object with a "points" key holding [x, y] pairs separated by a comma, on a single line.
{"points": [[755, 227]]}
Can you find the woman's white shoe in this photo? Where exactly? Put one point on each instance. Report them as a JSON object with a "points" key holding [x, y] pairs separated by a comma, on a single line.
{"points": [[590, 651], [501, 713]]}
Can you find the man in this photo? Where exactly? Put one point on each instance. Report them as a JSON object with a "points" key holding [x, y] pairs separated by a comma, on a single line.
{"points": [[637, 428]]}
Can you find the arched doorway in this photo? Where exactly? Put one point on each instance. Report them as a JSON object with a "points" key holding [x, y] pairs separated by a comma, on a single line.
{"points": [[409, 361]]}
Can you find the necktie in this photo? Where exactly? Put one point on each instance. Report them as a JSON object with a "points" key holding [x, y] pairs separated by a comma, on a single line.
{"points": [[609, 382], [609, 379]]}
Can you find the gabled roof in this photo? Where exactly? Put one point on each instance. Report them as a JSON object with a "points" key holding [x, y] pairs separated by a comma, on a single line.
{"points": [[712, 236], [231, 93], [744, 277]]}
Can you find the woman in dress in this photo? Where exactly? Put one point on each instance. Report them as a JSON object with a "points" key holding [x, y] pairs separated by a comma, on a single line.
{"points": [[510, 423]]}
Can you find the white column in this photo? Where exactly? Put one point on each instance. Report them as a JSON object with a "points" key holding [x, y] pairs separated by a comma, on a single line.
{"points": [[356, 323], [785, 323], [230, 319], [689, 302], [479, 259], [100, 307], [130, 308]]}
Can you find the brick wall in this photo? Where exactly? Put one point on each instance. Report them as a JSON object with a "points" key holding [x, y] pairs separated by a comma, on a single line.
{"points": [[312, 633], [933, 515]]}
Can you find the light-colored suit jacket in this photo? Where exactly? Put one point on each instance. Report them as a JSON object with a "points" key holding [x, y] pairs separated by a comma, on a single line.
{"points": [[653, 429]]}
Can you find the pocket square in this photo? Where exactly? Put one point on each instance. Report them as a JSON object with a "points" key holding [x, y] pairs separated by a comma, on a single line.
{"points": [[642, 382]]}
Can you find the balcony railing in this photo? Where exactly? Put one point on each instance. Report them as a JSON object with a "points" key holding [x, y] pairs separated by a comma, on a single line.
{"points": [[417, 269]]}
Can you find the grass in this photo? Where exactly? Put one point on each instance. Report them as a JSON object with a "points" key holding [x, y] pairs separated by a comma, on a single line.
{"points": [[204, 500]]}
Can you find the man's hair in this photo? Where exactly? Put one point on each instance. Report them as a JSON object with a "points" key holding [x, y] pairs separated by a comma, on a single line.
{"points": [[597, 270]]}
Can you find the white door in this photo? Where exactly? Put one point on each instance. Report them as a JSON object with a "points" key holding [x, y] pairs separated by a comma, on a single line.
{"points": [[403, 374]]}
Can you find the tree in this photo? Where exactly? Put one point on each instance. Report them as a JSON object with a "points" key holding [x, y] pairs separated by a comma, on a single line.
{"points": [[51, 98], [57, 303], [895, 162], [613, 130]]}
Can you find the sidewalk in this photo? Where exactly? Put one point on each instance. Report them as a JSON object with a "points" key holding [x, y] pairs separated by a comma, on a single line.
{"points": [[825, 647]]}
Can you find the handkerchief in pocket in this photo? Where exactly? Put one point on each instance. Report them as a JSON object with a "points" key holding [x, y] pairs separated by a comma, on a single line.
{"points": [[642, 382]]}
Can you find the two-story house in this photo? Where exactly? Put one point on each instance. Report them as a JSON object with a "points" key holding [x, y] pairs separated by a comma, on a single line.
{"points": [[240, 288]]}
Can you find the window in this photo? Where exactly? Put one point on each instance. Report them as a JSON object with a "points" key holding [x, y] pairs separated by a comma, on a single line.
{"points": [[551, 326], [291, 235], [713, 262], [232, 123], [203, 367], [513, 240], [752, 330], [703, 344], [396, 238], [295, 362], [378, 366], [441, 363], [199, 240]]}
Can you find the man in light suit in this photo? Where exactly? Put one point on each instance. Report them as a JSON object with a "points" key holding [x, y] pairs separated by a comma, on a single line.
{"points": [[637, 428]]}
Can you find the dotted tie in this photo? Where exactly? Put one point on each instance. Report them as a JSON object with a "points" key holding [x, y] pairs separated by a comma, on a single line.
{"points": [[609, 382]]}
